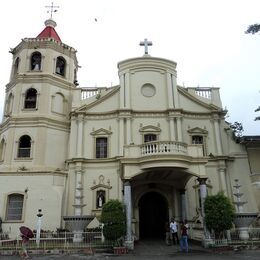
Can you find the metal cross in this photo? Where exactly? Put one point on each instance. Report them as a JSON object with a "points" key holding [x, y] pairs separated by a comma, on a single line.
{"points": [[146, 43], [52, 10]]}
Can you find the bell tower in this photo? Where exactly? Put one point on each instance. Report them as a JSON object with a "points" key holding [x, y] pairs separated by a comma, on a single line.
{"points": [[35, 127]]}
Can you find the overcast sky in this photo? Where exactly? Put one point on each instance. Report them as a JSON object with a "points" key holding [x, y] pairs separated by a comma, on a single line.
{"points": [[205, 37]]}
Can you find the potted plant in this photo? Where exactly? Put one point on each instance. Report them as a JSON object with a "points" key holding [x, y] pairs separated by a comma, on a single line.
{"points": [[114, 224]]}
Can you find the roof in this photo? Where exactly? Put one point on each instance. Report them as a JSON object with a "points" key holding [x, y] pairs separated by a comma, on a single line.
{"points": [[251, 140], [49, 31]]}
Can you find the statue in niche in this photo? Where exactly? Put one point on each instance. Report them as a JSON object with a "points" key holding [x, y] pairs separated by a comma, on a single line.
{"points": [[100, 199]]}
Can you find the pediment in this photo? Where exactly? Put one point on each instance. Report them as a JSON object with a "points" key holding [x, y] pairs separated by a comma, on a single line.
{"points": [[197, 130], [102, 97], [101, 131], [150, 128]]}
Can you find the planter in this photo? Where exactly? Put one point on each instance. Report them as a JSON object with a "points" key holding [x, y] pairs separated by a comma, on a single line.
{"points": [[120, 250]]}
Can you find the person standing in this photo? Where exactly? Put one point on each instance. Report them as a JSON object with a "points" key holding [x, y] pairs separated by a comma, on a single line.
{"points": [[25, 241], [184, 237], [174, 231], [167, 233]]}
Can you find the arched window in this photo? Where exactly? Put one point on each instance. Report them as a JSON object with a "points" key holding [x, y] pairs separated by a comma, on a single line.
{"points": [[16, 65], [101, 147], [30, 98], [24, 147], [14, 207], [60, 66], [150, 137], [58, 103], [36, 60], [2, 149], [101, 198]]}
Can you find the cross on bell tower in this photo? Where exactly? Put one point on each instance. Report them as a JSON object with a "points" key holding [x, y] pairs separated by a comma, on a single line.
{"points": [[146, 43], [52, 8]]}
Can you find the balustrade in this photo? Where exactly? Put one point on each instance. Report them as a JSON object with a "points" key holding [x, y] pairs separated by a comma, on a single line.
{"points": [[163, 147]]}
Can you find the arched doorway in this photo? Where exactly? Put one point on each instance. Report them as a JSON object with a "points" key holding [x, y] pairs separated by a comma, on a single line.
{"points": [[153, 213]]}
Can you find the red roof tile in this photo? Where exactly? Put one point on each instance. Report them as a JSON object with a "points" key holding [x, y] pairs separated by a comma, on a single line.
{"points": [[49, 32]]}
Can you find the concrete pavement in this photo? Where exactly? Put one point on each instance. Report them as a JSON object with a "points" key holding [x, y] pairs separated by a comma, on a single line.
{"points": [[156, 250]]}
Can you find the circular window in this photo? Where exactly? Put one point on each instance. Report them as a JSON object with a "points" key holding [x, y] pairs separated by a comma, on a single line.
{"points": [[148, 90]]}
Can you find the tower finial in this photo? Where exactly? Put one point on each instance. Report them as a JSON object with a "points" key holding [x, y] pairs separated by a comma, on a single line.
{"points": [[52, 8], [146, 43]]}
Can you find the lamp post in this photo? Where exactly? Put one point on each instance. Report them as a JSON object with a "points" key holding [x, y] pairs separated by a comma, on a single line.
{"points": [[38, 227]]}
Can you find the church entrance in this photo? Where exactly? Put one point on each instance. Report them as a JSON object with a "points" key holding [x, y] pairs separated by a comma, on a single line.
{"points": [[153, 213]]}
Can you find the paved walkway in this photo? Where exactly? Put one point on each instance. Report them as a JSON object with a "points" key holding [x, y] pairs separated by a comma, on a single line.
{"points": [[156, 250]]}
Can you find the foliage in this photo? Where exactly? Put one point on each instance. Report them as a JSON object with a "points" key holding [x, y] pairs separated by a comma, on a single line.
{"points": [[219, 213], [114, 219], [253, 28], [237, 129], [258, 117]]}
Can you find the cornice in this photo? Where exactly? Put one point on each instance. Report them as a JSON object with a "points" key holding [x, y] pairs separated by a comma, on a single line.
{"points": [[36, 121], [45, 43], [33, 173], [33, 78]]}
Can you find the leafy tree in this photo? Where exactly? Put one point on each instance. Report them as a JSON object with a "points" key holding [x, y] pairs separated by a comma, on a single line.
{"points": [[253, 28], [237, 129], [219, 213], [114, 219], [258, 117]]}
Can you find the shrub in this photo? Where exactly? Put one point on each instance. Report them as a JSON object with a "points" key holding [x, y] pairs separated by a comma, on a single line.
{"points": [[114, 220], [219, 213]]}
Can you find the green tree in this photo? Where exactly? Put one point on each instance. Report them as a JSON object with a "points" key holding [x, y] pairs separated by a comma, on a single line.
{"points": [[253, 28], [219, 213], [114, 219], [237, 129]]}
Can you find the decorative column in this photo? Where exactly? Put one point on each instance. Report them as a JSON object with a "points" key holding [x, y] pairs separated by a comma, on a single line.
{"points": [[217, 135], [128, 204], [169, 88], [73, 137], [172, 129], [78, 194], [183, 204], [122, 91], [80, 135], [222, 176], [175, 90], [128, 131], [203, 195], [121, 136], [179, 129], [127, 90]]}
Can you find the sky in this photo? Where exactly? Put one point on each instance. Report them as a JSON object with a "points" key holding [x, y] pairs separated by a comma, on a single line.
{"points": [[205, 38]]}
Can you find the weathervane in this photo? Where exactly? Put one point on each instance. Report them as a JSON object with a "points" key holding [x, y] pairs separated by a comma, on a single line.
{"points": [[52, 8], [146, 43]]}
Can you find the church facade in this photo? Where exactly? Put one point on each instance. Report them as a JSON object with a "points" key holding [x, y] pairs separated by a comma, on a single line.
{"points": [[158, 147]]}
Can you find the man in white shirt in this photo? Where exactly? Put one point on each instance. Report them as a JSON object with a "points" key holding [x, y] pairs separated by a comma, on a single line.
{"points": [[174, 231]]}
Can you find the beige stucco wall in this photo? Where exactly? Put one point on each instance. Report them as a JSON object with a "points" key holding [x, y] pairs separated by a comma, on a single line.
{"points": [[41, 191]]}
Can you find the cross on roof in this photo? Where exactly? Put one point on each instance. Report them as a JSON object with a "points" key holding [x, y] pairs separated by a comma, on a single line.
{"points": [[146, 43], [52, 10]]}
